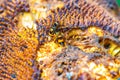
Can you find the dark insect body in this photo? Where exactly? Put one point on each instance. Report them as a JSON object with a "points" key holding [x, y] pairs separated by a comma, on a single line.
{"points": [[78, 14]]}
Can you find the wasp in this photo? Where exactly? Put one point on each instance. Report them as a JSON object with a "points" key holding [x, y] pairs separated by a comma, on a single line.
{"points": [[56, 34]]}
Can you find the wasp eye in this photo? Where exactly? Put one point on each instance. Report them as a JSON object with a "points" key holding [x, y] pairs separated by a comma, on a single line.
{"points": [[107, 45]]}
